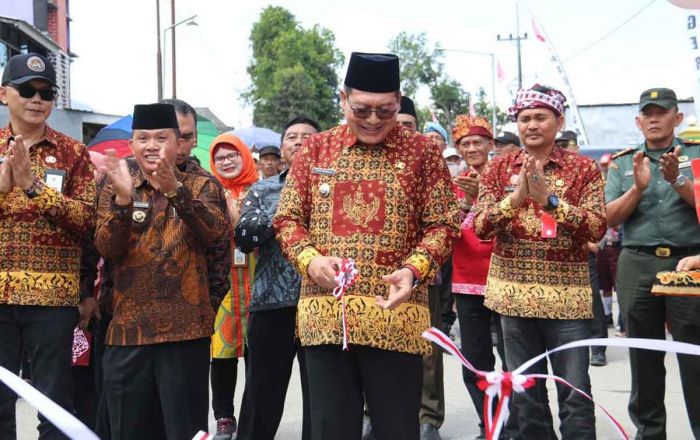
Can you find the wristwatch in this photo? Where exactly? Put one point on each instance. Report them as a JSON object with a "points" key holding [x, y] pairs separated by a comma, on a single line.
{"points": [[174, 193], [34, 189], [552, 202], [680, 181]]}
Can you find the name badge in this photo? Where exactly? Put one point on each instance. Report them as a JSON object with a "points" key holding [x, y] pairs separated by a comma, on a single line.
{"points": [[54, 179], [629, 173], [549, 226], [684, 165], [141, 205], [239, 258], [509, 188], [323, 171]]}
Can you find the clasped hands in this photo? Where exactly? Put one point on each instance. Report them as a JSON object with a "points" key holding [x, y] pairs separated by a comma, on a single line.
{"points": [[531, 184], [162, 178], [322, 271], [16, 169]]}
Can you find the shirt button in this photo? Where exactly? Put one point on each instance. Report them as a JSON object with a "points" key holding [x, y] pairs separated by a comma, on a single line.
{"points": [[661, 201]]}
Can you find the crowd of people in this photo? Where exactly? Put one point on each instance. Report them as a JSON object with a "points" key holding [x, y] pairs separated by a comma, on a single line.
{"points": [[171, 273]]}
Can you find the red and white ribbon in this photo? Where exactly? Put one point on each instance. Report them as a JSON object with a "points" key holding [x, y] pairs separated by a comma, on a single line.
{"points": [[502, 384], [345, 276]]}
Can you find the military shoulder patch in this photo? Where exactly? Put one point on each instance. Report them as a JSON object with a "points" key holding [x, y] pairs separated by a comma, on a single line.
{"points": [[624, 152]]}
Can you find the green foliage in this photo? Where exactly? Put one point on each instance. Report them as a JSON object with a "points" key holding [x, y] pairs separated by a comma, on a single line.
{"points": [[421, 65], [293, 71], [482, 107]]}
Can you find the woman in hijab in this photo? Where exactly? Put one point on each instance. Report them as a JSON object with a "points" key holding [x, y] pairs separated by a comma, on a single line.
{"points": [[233, 165]]}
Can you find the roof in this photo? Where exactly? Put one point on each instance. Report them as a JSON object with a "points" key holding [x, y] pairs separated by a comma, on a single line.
{"points": [[218, 123], [34, 33]]}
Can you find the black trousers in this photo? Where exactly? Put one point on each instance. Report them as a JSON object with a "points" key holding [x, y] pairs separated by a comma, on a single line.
{"points": [[340, 381], [645, 317], [157, 391], [224, 374], [271, 351], [46, 333]]}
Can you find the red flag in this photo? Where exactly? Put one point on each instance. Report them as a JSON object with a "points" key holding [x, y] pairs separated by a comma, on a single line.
{"points": [[537, 31], [472, 109], [500, 74]]}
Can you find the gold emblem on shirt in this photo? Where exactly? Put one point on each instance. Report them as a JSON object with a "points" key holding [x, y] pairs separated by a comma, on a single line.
{"points": [[358, 211], [138, 216]]}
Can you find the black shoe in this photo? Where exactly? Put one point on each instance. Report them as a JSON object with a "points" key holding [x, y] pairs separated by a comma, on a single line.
{"points": [[598, 359], [429, 432]]}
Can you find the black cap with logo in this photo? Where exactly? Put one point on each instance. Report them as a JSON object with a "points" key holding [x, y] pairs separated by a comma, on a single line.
{"points": [[26, 67], [507, 137]]}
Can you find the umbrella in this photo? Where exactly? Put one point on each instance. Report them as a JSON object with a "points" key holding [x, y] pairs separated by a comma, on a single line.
{"points": [[206, 132], [257, 137], [114, 136], [117, 135]]}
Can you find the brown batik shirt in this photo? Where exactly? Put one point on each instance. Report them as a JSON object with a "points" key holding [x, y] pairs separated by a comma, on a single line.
{"points": [[158, 248]]}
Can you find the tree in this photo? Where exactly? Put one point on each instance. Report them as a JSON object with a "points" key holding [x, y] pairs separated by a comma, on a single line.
{"points": [[482, 107], [293, 71], [421, 65]]}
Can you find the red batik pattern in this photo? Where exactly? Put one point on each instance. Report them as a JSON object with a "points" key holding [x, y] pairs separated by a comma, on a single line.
{"points": [[381, 205], [532, 276]]}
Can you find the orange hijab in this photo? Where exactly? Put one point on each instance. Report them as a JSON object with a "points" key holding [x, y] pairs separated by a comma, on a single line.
{"points": [[249, 174]]}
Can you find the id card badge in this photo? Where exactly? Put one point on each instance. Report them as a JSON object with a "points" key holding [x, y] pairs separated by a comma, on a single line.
{"points": [[549, 226], [54, 179], [239, 258]]}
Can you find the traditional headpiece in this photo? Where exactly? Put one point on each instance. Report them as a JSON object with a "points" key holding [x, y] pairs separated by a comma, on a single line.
{"points": [[538, 97], [373, 72], [154, 117], [466, 125]]}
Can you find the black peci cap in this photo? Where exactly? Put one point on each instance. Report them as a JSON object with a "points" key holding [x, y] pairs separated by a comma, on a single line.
{"points": [[408, 107], [507, 137], [373, 72], [154, 117]]}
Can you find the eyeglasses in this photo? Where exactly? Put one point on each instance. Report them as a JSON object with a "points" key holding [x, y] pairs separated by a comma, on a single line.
{"points": [[364, 112], [230, 157], [27, 91]]}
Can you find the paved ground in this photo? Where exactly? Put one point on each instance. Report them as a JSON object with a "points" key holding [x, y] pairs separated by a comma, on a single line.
{"points": [[611, 387]]}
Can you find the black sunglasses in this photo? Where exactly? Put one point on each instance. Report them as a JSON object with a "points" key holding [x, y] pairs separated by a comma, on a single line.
{"points": [[27, 91]]}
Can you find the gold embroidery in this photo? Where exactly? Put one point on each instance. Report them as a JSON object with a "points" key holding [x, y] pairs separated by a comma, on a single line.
{"points": [[319, 321], [420, 262], [358, 211], [47, 198], [529, 221], [562, 212], [507, 208]]}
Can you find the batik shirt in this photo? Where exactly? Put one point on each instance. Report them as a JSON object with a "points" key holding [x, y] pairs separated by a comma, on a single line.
{"points": [[40, 252], [157, 247], [531, 276], [385, 206]]}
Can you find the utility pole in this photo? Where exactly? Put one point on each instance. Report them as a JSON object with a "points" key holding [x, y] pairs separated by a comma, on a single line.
{"points": [[159, 55], [518, 38], [172, 23]]}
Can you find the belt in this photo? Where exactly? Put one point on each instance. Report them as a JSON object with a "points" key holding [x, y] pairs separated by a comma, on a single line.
{"points": [[666, 251]]}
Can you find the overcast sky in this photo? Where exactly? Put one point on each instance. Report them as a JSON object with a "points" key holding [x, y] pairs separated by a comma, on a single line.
{"points": [[115, 41]]}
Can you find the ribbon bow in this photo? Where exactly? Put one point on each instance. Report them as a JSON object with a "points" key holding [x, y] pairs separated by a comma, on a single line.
{"points": [[345, 276]]}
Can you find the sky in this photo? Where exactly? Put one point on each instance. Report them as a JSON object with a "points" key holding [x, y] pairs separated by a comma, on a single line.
{"points": [[115, 41]]}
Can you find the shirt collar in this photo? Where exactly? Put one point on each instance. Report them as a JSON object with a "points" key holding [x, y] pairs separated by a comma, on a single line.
{"points": [[50, 135], [676, 141]]}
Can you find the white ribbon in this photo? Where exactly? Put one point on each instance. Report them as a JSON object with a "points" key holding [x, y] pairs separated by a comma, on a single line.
{"points": [[61, 419]]}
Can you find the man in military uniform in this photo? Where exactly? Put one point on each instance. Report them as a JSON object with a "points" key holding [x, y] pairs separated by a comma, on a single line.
{"points": [[649, 191]]}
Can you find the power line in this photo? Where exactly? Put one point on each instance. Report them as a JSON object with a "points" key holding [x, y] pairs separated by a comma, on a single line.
{"points": [[617, 28]]}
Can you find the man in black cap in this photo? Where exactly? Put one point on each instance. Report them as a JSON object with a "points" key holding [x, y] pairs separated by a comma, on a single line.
{"points": [[407, 114], [505, 143], [379, 194], [47, 197], [567, 140], [155, 224], [270, 159], [649, 191]]}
